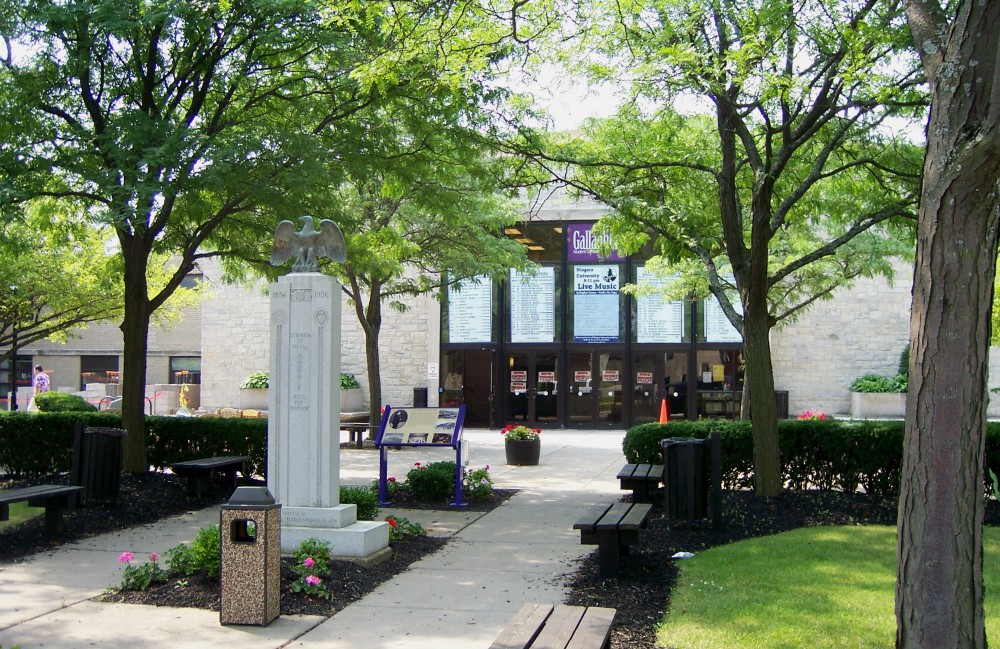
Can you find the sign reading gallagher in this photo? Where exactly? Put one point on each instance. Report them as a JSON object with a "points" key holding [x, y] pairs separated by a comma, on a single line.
{"points": [[581, 244]]}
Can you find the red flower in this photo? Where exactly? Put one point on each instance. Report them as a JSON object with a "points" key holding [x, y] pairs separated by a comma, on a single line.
{"points": [[392, 522]]}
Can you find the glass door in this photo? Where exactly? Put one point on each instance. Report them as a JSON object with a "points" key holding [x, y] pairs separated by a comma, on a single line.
{"points": [[533, 388], [596, 395]]}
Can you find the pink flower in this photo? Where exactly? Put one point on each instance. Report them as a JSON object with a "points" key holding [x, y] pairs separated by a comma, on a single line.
{"points": [[416, 464], [125, 557], [309, 562], [392, 479], [313, 580], [154, 557]]}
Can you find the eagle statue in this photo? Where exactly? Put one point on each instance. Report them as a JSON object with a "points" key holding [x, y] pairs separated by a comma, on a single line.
{"points": [[308, 244]]}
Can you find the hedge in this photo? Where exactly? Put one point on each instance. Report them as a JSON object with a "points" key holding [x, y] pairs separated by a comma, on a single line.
{"points": [[819, 454], [41, 443]]}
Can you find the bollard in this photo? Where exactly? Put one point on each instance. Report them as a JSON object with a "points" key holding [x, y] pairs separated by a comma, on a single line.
{"points": [[250, 574]]}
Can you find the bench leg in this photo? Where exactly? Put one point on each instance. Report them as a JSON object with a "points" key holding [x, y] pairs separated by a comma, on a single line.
{"points": [[4, 512], [54, 520], [608, 556]]}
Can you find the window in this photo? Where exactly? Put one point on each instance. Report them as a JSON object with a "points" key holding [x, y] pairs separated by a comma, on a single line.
{"points": [[98, 369], [185, 369]]}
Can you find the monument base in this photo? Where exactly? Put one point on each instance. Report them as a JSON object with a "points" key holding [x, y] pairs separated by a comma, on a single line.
{"points": [[333, 517], [358, 540]]}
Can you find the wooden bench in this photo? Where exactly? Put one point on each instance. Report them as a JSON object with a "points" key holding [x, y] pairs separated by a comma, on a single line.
{"points": [[642, 479], [54, 498], [198, 471], [559, 627], [613, 528], [357, 426]]}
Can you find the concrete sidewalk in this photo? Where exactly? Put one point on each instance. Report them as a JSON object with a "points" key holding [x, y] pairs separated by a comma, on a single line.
{"points": [[460, 597]]}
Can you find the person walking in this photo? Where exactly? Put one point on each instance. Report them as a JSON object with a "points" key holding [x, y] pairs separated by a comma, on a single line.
{"points": [[41, 383]]}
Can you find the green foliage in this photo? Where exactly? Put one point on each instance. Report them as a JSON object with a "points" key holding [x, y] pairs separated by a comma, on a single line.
{"points": [[880, 383], [62, 402], [365, 498], [256, 381], [312, 568], [826, 454], [392, 486], [432, 481], [400, 528], [203, 555], [904, 362], [348, 382], [140, 577], [477, 485], [42, 443]]}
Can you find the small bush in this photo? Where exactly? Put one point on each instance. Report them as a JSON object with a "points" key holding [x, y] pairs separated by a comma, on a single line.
{"points": [[312, 567], [62, 402], [348, 382], [203, 555], [433, 481], [140, 577], [879, 383], [400, 528], [365, 499], [256, 381]]}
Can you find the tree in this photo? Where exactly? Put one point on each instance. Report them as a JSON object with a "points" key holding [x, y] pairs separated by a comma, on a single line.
{"points": [[939, 587], [56, 276], [184, 125], [766, 189]]}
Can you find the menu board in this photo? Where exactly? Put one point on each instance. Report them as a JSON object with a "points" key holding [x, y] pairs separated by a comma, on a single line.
{"points": [[718, 328], [657, 321], [420, 426], [470, 311], [532, 305], [595, 304]]}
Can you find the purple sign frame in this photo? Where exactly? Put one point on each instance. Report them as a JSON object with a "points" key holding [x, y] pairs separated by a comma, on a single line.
{"points": [[581, 243]]}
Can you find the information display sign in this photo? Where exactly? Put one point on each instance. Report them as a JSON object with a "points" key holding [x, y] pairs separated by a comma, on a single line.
{"points": [[718, 328], [419, 427], [532, 305], [657, 321], [470, 311], [596, 304]]}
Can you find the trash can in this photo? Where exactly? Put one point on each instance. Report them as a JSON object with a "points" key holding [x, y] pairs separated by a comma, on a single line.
{"points": [[419, 397], [685, 477], [97, 463], [250, 570], [781, 403]]}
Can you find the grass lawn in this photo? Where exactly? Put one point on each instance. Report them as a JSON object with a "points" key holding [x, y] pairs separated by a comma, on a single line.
{"points": [[20, 512], [814, 587]]}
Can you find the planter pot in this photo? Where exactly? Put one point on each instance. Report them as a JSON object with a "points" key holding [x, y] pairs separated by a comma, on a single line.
{"points": [[873, 405], [253, 398], [351, 400], [523, 452]]}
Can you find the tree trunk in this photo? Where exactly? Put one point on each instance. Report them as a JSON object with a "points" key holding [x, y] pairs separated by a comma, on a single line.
{"points": [[763, 413], [135, 333], [939, 587]]}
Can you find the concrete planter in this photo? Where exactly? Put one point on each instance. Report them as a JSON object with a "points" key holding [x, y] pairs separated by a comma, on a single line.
{"points": [[878, 405], [351, 400], [253, 398]]}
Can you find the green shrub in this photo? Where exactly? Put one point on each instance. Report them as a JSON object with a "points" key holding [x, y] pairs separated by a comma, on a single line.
{"points": [[365, 499], [256, 381], [348, 382], [400, 528], [42, 443], [203, 555], [62, 402], [433, 481], [904, 361], [477, 484], [879, 383]]}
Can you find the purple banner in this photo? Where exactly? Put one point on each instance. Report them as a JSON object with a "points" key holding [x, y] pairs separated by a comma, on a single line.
{"points": [[581, 244]]}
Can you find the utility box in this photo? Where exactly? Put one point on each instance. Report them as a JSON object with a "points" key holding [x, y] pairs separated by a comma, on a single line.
{"points": [[250, 574]]}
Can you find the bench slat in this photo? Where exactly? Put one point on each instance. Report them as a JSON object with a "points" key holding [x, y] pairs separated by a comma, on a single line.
{"points": [[627, 471], [211, 462], [38, 491], [589, 520], [614, 516], [559, 628], [636, 517], [524, 628], [594, 629]]}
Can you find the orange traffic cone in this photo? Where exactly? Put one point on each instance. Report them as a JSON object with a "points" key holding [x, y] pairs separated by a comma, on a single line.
{"points": [[664, 412]]}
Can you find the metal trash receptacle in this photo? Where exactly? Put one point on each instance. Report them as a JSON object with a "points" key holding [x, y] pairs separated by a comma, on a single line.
{"points": [[685, 477], [97, 463], [419, 397], [250, 570]]}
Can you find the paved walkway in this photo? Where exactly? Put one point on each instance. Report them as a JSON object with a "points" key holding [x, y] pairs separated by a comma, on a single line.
{"points": [[460, 597]]}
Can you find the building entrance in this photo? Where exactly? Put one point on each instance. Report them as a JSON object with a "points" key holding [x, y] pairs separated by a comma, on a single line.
{"points": [[532, 387], [595, 395]]}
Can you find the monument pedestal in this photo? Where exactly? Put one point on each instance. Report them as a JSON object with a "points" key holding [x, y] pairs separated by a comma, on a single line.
{"points": [[303, 446]]}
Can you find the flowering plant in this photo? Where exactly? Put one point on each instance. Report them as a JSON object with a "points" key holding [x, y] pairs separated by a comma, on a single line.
{"points": [[477, 483], [813, 414], [400, 528], [312, 558], [520, 432], [140, 577]]}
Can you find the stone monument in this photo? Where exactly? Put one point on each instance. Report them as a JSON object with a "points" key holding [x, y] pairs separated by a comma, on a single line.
{"points": [[303, 443]]}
